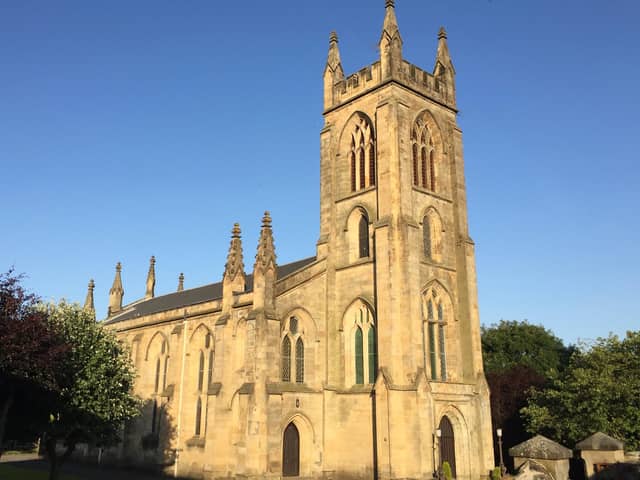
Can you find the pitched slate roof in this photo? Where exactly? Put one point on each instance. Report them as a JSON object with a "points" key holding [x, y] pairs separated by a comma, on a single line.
{"points": [[193, 296], [541, 448], [600, 441]]}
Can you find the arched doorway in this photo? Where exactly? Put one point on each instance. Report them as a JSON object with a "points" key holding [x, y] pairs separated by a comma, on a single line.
{"points": [[291, 451], [447, 444]]}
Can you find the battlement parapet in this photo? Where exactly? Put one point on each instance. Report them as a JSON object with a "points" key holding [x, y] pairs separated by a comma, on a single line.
{"points": [[429, 85]]}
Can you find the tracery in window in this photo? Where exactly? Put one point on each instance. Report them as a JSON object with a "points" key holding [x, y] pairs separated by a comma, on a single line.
{"points": [[362, 157], [435, 323], [423, 153], [292, 367], [362, 346]]}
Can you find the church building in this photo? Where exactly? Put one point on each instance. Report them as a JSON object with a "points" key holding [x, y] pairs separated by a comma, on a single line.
{"points": [[361, 362]]}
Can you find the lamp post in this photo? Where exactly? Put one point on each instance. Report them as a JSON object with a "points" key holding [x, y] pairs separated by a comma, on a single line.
{"points": [[437, 459], [502, 467]]}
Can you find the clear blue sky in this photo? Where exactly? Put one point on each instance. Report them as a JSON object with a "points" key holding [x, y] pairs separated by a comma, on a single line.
{"points": [[136, 128]]}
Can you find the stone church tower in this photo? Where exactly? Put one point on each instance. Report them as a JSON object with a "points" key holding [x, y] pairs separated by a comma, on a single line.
{"points": [[363, 361]]}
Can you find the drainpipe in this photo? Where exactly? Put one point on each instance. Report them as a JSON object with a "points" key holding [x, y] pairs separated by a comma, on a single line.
{"points": [[184, 353]]}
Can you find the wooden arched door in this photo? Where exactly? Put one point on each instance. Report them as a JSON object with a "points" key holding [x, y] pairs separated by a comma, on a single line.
{"points": [[291, 451], [447, 444]]}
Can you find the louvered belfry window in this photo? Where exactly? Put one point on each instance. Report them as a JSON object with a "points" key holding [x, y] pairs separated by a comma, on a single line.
{"points": [[362, 156]]}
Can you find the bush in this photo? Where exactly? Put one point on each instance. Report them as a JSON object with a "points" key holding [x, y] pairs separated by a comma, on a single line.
{"points": [[446, 471], [496, 474]]}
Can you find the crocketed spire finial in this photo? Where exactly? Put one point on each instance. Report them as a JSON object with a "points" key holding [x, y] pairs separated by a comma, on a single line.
{"points": [[116, 292], [389, 4], [88, 302], [235, 262], [266, 255], [442, 33], [181, 282], [151, 278]]}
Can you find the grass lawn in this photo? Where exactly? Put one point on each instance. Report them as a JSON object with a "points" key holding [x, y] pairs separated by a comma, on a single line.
{"points": [[9, 472]]}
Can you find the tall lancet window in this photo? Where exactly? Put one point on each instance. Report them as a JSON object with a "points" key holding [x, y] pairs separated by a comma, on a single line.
{"points": [[435, 324], [363, 345], [423, 153], [363, 237], [362, 156], [286, 359], [202, 368]]}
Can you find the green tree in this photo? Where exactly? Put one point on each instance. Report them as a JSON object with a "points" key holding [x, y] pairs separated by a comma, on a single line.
{"points": [[517, 357], [95, 380], [511, 343], [29, 352], [599, 391]]}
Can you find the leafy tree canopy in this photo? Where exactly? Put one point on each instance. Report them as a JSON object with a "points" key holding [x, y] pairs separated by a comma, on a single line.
{"points": [[511, 343], [599, 391], [96, 379], [29, 352]]}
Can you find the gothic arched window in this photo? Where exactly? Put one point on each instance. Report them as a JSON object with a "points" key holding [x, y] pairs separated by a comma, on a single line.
{"points": [[363, 348], [157, 382], [286, 359], [201, 371], [299, 361], [436, 327], [426, 237], [198, 416], [363, 237], [359, 348], [362, 156], [292, 366], [210, 370], [424, 171], [432, 235], [371, 348]]}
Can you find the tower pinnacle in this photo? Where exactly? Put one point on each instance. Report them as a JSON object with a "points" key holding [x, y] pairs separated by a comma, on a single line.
{"points": [[116, 293], [88, 303], [390, 42], [266, 255], [151, 278]]}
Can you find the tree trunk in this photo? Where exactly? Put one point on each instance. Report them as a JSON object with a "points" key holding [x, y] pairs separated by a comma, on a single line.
{"points": [[4, 414], [56, 462], [50, 446]]}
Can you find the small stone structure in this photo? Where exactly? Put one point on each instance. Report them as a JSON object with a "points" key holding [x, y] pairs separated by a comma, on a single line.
{"points": [[599, 450], [545, 453]]}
